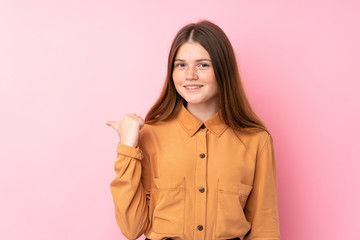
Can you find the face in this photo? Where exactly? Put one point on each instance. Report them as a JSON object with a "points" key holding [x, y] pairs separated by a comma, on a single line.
{"points": [[194, 77]]}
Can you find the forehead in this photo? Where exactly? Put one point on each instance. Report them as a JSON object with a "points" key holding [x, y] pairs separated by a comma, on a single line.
{"points": [[192, 50]]}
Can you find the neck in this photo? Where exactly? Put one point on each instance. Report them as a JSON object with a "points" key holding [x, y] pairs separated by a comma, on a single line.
{"points": [[202, 112]]}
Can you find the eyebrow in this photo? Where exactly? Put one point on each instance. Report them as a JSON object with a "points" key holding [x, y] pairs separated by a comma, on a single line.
{"points": [[197, 60]]}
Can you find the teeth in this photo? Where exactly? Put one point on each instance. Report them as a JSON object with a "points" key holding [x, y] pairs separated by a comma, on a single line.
{"points": [[193, 87]]}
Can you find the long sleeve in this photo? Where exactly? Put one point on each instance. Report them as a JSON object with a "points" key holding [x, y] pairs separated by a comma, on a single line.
{"points": [[205, 181], [262, 205], [131, 199]]}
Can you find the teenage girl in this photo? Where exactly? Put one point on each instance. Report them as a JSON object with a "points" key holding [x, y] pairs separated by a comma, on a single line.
{"points": [[201, 165]]}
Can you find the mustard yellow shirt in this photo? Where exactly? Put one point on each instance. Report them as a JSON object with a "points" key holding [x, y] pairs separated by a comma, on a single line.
{"points": [[184, 181]]}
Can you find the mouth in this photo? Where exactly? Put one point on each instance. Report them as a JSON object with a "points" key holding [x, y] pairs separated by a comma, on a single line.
{"points": [[193, 86]]}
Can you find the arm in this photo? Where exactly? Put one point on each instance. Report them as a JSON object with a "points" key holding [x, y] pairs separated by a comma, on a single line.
{"points": [[262, 206], [131, 200]]}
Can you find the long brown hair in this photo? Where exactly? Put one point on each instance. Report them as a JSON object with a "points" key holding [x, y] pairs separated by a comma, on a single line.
{"points": [[234, 106]]}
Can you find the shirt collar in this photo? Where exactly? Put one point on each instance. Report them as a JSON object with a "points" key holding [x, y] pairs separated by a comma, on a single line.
{"points": [[191, 124]]}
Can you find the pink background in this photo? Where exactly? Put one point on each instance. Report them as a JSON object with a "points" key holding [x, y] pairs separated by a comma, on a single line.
{"points": [[67, 67]]}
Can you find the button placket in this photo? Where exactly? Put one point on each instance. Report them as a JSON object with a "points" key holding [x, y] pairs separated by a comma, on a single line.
{"points": [[200, 183]]}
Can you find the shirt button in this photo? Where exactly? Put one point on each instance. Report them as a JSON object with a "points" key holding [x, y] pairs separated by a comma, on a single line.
{"points": [[202, 190], [202, 155], [200, 227], [203, 126]]}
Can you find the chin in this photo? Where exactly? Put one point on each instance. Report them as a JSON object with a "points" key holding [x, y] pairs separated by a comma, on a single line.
{"points": [[193, 102]]}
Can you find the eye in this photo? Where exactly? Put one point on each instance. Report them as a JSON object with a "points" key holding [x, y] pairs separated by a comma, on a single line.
{"points": [[179, 65], [204, 65]]}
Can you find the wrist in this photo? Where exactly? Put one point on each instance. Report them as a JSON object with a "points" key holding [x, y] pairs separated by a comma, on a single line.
{"points": [[131, 144]]}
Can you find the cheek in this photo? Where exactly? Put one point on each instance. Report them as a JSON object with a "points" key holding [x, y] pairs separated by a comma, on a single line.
{"points": [[214, 85], [210, 80], [213, 89], [207, 76], [177, 82], [175, 77]]}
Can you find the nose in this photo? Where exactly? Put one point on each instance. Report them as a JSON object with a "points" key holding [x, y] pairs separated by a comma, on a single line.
{"points": [[191, 73]]}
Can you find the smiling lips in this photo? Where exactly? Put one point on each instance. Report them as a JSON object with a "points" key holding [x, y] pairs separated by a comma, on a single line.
{"points": [[193, 87]]}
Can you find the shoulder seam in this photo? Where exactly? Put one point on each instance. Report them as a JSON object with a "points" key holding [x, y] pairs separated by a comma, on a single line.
{"points": [[266, 141]]}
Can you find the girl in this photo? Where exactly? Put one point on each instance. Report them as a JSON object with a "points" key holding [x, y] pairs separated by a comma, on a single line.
{"points": [[201, 165]]}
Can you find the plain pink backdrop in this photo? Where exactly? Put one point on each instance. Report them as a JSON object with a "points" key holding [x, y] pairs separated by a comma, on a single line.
{"points": [[67, 67]]}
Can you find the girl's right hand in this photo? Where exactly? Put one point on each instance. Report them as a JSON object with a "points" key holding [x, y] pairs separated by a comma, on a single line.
{"points": [[128, 128]]}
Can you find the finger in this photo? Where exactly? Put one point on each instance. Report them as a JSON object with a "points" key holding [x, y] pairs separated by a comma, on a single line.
{"points": [[142, 122], [138, 118], [134, 114]]}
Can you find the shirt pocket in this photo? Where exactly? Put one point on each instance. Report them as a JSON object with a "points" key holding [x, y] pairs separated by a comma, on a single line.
{"points": [[168, 216], [230, 218]]}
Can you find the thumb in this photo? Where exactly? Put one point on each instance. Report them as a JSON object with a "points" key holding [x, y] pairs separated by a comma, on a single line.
{"points": [[113, 124]]}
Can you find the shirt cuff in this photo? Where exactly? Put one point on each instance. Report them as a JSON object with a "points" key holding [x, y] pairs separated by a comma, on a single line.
{"points": [[129, 151]]}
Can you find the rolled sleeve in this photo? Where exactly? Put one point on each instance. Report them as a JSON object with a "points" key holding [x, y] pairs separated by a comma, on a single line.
{"points": [[129, 151], [131, 200]]}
